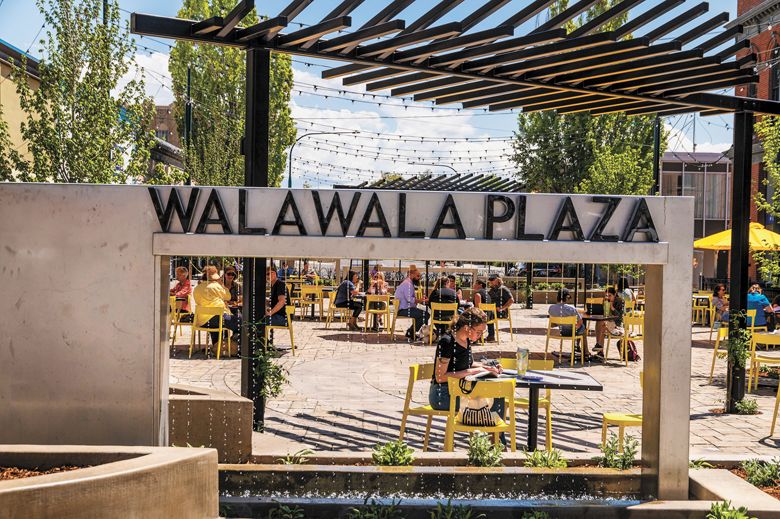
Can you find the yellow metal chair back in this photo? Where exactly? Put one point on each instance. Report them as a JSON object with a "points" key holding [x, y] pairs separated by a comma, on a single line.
{"points": [[176, 313], [490, 307], [757, 359], [554, 322], [290, 311], [417, 373], [441, 313], [504, 388], [204, 314], [534, 364], [723, 334], [751, 315], [633, 330], [333, 309], [311, 295], [377, 305], [396, 306]]}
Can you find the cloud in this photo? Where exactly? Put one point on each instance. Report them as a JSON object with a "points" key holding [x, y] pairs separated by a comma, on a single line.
{"points": [[680, 141], [153, 68]]}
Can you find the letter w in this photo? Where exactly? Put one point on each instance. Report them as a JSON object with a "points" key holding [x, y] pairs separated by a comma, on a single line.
{"points": [[335, 206], [174, 204]]}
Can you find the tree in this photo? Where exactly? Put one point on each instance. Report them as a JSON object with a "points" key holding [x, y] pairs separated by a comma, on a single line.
{"points": [[218, 103], [10, 159], [564, 153], [768, 132], [81, 126]]}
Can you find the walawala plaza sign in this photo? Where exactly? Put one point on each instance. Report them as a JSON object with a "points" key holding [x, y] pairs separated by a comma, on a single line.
{"points": [[398, 214]]}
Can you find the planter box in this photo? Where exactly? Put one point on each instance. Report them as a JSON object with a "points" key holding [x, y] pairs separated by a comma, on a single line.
{"points": [[148, 482]]}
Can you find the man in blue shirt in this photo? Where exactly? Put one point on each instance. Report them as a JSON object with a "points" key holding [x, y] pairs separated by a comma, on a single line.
{"points": [[757, 301]]}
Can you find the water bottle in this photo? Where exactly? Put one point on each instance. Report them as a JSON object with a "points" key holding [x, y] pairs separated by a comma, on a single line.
{"points": [[522, 361]]}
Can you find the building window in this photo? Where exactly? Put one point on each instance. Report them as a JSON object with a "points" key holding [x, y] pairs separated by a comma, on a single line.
{"points": [[774, 87], [163, 135]]}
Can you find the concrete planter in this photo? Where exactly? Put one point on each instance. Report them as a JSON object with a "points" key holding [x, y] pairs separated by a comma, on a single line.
{"points": [[143, 482]]}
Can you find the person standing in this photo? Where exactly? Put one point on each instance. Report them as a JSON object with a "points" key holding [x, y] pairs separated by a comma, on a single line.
{"points": [[407, 302], [212, 293]]}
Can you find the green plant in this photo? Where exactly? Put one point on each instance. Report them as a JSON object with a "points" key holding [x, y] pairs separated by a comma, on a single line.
{"points": [[700, 464], [614, 459], [535, 515], [769, 372], [739, 340], [286, 512], [272, 375], [297, 458], [762, 473], [747, 406], [724, 510], [482, 452], [449, 511], [374, 510], [548, 459], [395, 453]]}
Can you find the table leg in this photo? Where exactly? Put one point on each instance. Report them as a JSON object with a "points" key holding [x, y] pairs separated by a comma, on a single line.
{"points": [[533, 417]]}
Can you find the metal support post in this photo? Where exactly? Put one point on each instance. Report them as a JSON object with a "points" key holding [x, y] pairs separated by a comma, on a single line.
{"points": [[529, 277], [258, 88], [740, 228], [657, 157]]}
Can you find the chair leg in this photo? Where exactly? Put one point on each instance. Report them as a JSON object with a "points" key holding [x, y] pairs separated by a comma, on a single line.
{"points": [[546, 345], [621, 434], [548, 442], [604, 427], [427, 433], [511, 326], [449, 440], [403, 426], [750, 376], [774, 417], [192, 342], [430, 335], [714, 356], [292, 340], [392, 328]]}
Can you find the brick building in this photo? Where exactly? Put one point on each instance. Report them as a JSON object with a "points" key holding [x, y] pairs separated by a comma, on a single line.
{"points": [[165, 125]]}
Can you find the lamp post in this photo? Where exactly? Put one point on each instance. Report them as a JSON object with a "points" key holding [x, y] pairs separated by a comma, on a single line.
{"points": [[289, 158]]}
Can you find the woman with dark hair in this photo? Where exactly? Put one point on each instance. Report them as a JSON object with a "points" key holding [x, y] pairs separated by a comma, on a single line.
{"points": [[625, 291], [454, 358], [345, 298], [720, 302]]}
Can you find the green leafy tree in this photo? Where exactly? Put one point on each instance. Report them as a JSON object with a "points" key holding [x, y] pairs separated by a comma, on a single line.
{"points": [[81, 126], [10, 159], [218, 103], [564, 153], [768, 131]]}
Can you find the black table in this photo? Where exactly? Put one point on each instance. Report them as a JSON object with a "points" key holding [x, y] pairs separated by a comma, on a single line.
{"points": [[554, 379]]}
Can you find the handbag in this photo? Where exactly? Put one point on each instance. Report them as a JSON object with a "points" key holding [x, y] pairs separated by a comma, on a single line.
{"points": [[475, 411]]}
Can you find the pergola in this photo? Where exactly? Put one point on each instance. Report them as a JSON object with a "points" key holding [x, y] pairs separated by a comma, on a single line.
{"points": [[634, 69]]}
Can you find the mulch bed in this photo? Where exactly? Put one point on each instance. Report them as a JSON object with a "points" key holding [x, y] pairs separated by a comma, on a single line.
{"points": [[7, 473], [772, 491]]}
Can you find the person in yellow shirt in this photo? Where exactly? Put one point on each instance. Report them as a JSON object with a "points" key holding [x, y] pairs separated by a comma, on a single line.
{"points": [[211, 292]]}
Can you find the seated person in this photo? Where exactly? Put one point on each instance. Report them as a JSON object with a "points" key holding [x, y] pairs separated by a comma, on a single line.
{"points": [[454, 359], [614, 326], [442, 293], [345, 298], [720, 303], [454, 285], [234, 287], [211, 292], [625, 291], [276, 314], [308, 274], [379, 287], [182, 290], [407, 301], [500, 295], [479, 296], [757, 301], [563, 309]]}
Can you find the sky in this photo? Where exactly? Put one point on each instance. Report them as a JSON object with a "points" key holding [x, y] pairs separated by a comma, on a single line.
{"points": [[394, 135]]}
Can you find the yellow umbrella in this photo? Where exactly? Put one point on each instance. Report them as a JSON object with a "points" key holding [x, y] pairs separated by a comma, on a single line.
{"points": [[760, 239]]}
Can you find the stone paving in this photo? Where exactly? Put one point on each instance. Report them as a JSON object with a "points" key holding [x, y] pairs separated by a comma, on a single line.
{"points": [[347, 389]]}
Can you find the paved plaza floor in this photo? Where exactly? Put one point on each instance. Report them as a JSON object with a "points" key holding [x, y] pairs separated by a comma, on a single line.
{"points": [[347, 390]]}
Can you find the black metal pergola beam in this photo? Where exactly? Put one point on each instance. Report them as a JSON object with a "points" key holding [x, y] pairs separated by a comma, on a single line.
{"points": [[356, 38], [677, 22], [604, 18]]}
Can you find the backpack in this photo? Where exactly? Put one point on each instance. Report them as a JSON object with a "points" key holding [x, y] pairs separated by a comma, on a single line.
{"points": [[631, 351]]}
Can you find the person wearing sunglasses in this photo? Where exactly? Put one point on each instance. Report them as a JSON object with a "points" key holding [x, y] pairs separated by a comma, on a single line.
{"points": [[234, 287]]}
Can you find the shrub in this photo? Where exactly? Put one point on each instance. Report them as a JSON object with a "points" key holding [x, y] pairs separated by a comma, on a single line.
{"points": [[449, 511], [552, 459], [297, 458], [762, 473], [482, 452], [747, 406], [374, 510], [726, 511], [614, 459], [395, 453], [286, 512], [700, 464], [535, 515]]}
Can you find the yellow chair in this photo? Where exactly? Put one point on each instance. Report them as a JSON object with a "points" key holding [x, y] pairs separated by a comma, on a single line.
{"points": [[751, 315], [204, 314], [396, 304], [589, 301], [702, 308], [544, 402], [441, 310], [774, 417], [552, 324], [290, 310], [503, 388], [622, 420], [723, 333], [633, 330], [175, 315], [377, 305], [311, 295], [333, 309], [511, 326], [490, 307], [418, 372], [757, 359]]}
